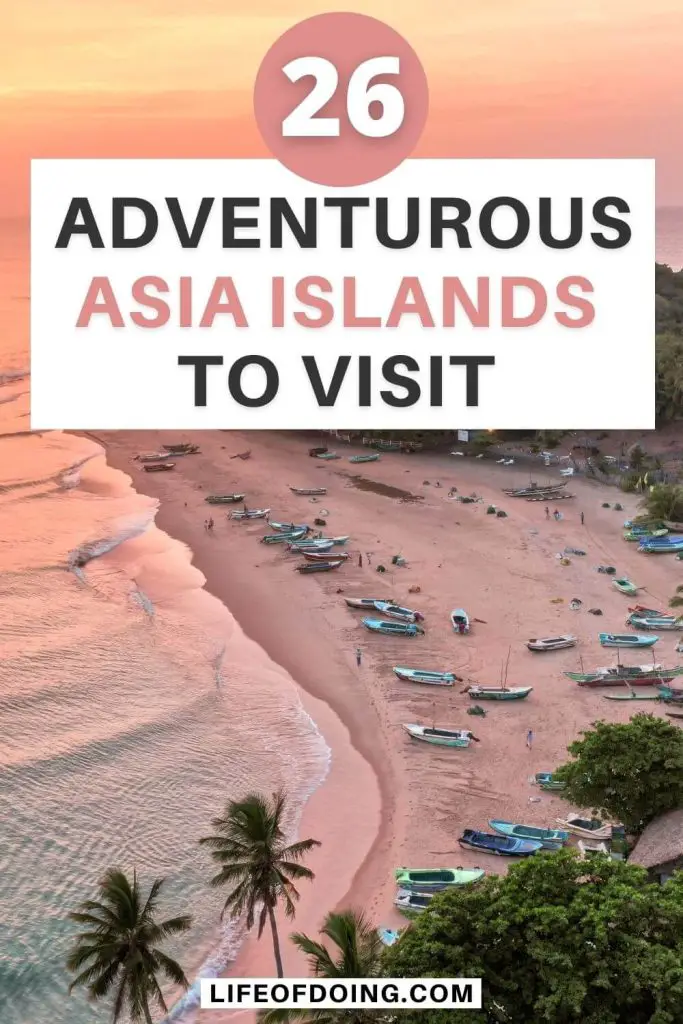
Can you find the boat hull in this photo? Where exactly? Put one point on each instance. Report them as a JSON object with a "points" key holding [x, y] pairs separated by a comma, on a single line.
{"points": [[552, 838], [392, 628], [625, 640], [426, 879], [369, 603], [415, 675], [224, 499], [560, 643]]}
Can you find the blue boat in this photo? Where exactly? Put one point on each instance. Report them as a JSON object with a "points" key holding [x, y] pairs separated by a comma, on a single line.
{"points": [[393, 628], [283, 538], [499, 846], [551, 838], [420, 675], [287, 527], [662, 545], [626, 640]]}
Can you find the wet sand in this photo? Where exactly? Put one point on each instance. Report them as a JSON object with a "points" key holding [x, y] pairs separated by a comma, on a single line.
{"points": [[388, 800]]}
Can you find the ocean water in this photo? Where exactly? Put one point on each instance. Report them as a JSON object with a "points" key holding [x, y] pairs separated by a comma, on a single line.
{"points": [[127, 694], [128, 697]]}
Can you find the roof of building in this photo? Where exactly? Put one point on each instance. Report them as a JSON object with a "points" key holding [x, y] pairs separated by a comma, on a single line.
{"points": [[661, 842]]}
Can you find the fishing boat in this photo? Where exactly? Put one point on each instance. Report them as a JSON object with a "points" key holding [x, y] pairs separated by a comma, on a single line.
{"points": [[670, 695], [587, 848], [309, 491], [324, 556], [662, 545], [338, 541], [365, 458], [500, 846], [181, 449], [551, 838], [533, 488], [547, 783], [552, 643], [586, 828], [158, 467], [393, 628], [499, 692], [626, 640], [321, 450], [394, 611], [310, 545], [154, 457], [318, 566], [415, 901], [322, 543], [640, 609], [662, 622], [224, 499], [552, 496], [328, 455], [634, 675], [419, 675], [435, 879], [674, 714], [287, 527], [439, 737], [630, 696], [633, 535], [460, 621], [252, 513], [283, 538], [362, 602], [625, 586]]}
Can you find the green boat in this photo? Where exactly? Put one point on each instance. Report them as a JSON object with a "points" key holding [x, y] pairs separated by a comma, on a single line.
{"points": [[552, 838], [546, 782], [425, 879], [632, 535], [499, 692], [365, 458], [629, 696], [625, 586], [283, 538]]}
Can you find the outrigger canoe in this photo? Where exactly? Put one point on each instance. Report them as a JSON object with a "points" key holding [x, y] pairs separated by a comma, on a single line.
{"points": [[256, 513], [626, 640], [158, 467], [552, 643], [500, 846], [419, 675], [394, 611], [631, 696], [224, 499], [393, 628], [425, 879], [324, 556], [439, 737], [634, 675], [499, 692], [625, 586], [460, 620], [309, 491], [551, 838], [318, 566], [363, 602]]}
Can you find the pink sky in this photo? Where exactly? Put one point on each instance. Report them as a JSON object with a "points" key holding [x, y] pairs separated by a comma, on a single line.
{"points": [[174, 78]]}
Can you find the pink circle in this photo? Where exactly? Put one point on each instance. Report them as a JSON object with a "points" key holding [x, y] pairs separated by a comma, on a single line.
{"points": [[346, 40]]}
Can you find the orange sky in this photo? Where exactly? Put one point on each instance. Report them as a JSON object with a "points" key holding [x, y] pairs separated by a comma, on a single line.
{"points": [[174, 78]]}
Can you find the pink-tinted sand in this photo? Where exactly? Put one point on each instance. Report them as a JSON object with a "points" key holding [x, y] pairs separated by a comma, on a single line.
{"points": [[389, 801]]}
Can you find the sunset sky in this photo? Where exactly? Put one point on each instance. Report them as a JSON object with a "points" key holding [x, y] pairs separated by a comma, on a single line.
{"points": [[175, 77]]}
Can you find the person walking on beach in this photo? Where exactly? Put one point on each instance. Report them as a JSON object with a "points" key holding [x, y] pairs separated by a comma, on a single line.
{"points": [[209, 524], [547, 512], [582, 518], [359, 656], [360, 566], [529, 738]]}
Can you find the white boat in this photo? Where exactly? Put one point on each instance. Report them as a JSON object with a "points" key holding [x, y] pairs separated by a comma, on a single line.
{"points": [[256, 513], [439, 737], [311, 545], [309, 491], [586, 828], [414, 901], [552, 643], [394, 611], [460, 620], [363, 602], [588, 848], [420, 675]]}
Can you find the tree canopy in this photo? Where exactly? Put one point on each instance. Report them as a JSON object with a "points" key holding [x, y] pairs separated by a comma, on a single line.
{"points": [[553, 946], [631, 772]]}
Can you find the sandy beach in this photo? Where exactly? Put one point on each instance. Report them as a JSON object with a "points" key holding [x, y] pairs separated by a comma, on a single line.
{"points": [[389, 801]]}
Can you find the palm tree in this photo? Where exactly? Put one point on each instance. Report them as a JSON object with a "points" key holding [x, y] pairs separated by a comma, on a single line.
{"points": [[257, 863], [117, 952], [357, 955]]}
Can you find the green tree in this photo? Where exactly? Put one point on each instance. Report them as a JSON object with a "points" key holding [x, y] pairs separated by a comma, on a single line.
{"points": [[630, 772], [665, 501], [356, 953], [256, 863], [677, 600], [554, 945], [118, 951]]}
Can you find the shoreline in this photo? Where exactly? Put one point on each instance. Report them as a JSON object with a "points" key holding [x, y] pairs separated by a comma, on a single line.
{"points": [[359, 824]]}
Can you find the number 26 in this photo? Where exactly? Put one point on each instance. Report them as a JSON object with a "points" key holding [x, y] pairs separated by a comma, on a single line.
{"points": [[302, 122]]}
